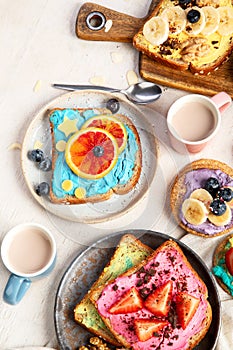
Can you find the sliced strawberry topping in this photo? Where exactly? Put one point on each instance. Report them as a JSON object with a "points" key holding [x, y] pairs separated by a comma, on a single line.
{"points": [[130, 301], [159, 301], [146, 329], [186, 306], [229, 260]]}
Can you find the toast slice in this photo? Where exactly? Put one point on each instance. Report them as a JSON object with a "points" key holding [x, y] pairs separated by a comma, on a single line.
{"points": [[167, 265], [219, 269], [192, 177], [201, 46], [68, 187], [129, 252]]}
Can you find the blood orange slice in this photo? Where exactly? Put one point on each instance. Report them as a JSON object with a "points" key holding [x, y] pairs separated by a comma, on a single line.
{"points": [[91, 153], [112, 125]]}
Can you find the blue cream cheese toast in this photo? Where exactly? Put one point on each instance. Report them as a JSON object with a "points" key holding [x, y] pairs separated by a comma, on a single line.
{"points": [[188, 34], [94, 155]]}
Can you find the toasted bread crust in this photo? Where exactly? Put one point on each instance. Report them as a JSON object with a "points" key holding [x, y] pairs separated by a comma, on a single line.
{"points": [[218, 254], [178, 190], [141, 44], [85, 310], [196, 338], [119, 189]]}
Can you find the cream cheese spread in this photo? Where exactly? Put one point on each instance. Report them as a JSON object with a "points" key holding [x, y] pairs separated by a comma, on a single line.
{"points": [[166, 266], [119, 175]]}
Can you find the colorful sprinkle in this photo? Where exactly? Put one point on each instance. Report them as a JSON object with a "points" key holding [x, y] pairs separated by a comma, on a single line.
{"points": [[61, 146], [67, 185], [80, 192]]}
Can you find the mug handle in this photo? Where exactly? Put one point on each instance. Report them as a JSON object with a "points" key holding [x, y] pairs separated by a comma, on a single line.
{"points": [[15, 289], [222, 100]]}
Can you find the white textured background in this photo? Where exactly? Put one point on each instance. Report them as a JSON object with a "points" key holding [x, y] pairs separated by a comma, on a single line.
{"points": [[38, 43]]}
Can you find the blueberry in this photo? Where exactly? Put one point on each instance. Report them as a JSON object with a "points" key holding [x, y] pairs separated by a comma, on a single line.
{"points": [[226, 194], [193, 16], [113, 104], [42, 189], [184, 3], [98, 151], [218, 207], [212, 186], [36, 155], [45, 164]]}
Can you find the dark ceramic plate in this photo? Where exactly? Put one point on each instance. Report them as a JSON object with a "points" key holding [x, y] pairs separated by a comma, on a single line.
{"points": [[84, 270]]}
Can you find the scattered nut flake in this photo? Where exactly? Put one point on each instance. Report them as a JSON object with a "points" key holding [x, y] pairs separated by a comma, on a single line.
{"points": [[97, 80], [132, 77], [38, 145], [15, 145], [116, 57], [37, 86], [95, 343], [108, 25]]}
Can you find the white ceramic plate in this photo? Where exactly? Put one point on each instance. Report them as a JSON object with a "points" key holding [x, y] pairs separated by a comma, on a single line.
{"points": [[39, 131]]}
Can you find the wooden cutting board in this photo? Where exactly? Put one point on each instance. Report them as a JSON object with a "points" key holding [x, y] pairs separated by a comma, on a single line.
{"points": [[95, 22]]}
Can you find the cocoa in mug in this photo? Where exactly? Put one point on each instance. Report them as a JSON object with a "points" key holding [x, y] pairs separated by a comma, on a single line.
{"points": [[193, 120], [29, 253]]}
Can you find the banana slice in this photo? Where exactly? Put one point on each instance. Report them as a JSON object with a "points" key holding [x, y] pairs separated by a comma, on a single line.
{"points": [[194, 211], [221, 220], [176, 18], [156, 30], [230, 204], [212, 19], [226, 20], [202, 195], [196, 27]]}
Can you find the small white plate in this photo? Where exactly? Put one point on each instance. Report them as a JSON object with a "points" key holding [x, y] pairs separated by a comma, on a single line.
{"points": [[39, 131]]}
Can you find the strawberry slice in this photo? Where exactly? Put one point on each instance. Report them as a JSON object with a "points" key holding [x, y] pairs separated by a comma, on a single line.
{"points": [[159, 301], [146, 329], [186, 306], [130, 301], [229, 260]]}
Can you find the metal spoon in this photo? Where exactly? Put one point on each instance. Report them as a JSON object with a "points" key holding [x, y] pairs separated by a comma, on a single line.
{"points": [[141, 93]]}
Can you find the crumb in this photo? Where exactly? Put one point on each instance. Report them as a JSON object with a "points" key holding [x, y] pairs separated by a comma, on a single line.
{"points": [[38, 144]]}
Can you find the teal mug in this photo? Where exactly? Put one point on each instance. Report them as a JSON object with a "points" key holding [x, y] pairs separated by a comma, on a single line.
{"points": [[28, 251]]}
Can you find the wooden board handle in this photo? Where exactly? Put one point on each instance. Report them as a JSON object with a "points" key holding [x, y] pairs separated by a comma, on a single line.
{"points": [[93, 19]]}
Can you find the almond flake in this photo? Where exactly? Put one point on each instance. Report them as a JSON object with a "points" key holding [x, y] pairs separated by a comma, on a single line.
{"points": [[132, 77], [108, 25]]}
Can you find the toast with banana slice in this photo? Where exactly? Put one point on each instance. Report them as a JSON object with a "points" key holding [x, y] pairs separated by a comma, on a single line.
{"points": [[129, 252], [202, 198], [188, 34]]}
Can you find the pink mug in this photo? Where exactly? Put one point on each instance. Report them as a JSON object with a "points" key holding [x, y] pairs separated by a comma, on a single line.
{"points": [[193, 120]]}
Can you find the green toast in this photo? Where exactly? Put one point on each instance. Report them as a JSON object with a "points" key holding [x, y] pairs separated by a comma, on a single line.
{"points": [[129, 252]]}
